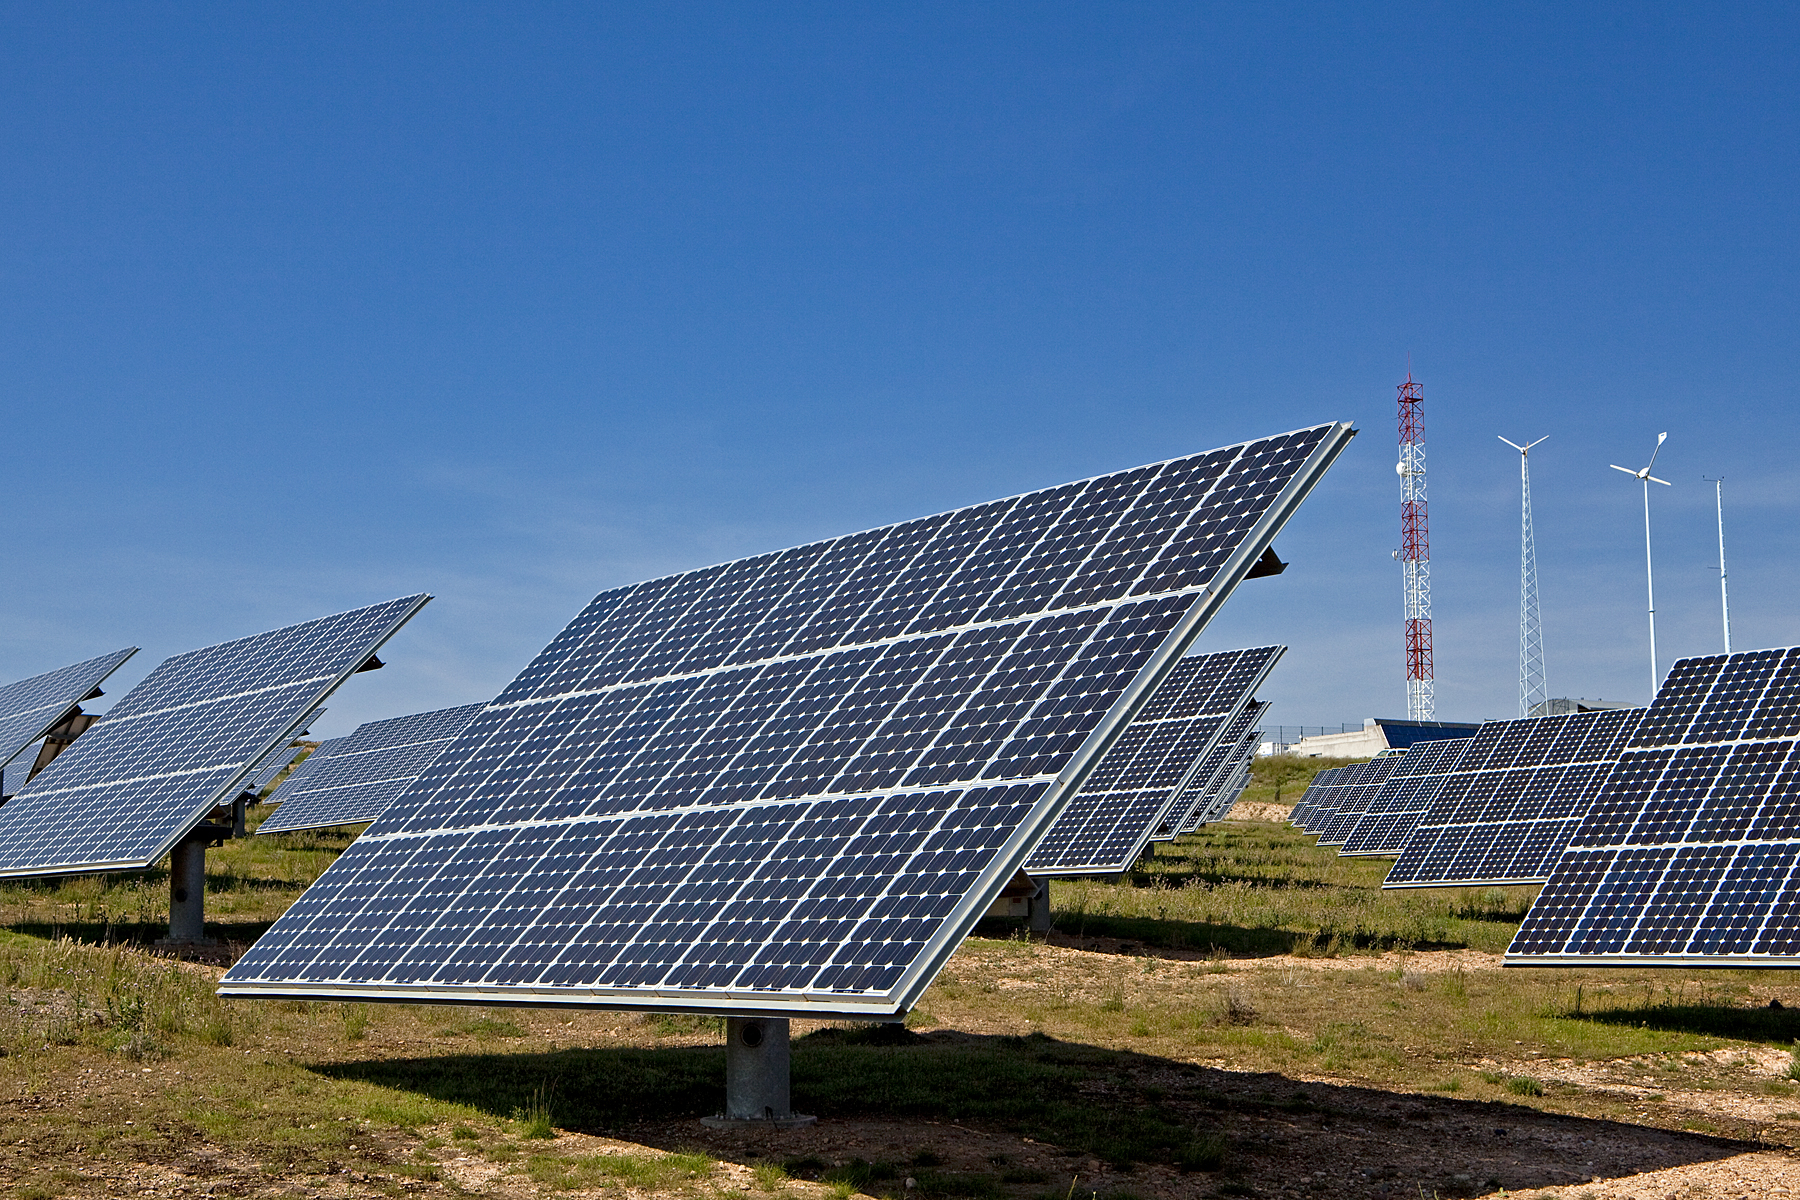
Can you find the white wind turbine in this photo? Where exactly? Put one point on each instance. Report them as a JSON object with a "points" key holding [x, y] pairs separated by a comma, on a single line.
{"points": [[1646, 478]]}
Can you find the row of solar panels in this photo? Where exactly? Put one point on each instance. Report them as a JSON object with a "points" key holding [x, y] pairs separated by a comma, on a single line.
{"points": [[1666, 835], [786, 783]]}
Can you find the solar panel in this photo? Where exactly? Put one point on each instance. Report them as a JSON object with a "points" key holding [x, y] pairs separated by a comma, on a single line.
{"points": [[1687, 856], [1320, 791], [1403, 800], [1112, 817], [1353, 799], [272, 765], [1517, 795], [367, 770], [312, 762], [180, 742], [1325, 806], [16, 772], [32, 707], [790, 783], [1235, 775], [1201, 795]]}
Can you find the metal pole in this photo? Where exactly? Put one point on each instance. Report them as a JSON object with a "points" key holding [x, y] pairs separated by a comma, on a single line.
{"points": [[1724, 598], [1650, 586]]}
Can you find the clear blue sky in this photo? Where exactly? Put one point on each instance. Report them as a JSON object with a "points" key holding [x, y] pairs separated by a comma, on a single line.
{"points": [[310, 307]]}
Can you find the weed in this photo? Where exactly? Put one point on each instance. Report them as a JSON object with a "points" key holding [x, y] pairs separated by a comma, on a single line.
{"points": [[535, 1115], [1238, 1010], [356, 1022], [1524, 1085]]}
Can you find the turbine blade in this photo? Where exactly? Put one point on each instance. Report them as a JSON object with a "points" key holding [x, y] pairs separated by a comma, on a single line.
{"points": [[1654, 479], [1627, 470]]}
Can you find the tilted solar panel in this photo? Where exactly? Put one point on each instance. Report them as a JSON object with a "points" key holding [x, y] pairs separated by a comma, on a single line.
{"points": [[31, 707], [312, 762], [366, 770], [271, 766], [181, 742], [1236, 775], [1111, 818], [790, 783], [1325, 807], [1404, 799], [1318, 795], [1517, 795], [1198, 800], [1688, 855], [16, 772], [1353, 799]]}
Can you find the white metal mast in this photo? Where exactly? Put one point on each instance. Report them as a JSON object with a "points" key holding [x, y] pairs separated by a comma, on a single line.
{"points": [[1533, 690], [1724, 598], [1646, 478]]}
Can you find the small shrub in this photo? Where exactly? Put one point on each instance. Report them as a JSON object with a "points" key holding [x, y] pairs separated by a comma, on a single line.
{"points": [[356, 1022], [1238, 1009], [1524, 1085]]}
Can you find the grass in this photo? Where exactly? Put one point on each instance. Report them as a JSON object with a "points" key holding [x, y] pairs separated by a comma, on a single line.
{"points": [[1254, 888], [118, 1064]]}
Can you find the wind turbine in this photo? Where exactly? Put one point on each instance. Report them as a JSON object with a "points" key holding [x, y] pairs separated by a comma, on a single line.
{"points": [[1646, 478], [1533, 689]]}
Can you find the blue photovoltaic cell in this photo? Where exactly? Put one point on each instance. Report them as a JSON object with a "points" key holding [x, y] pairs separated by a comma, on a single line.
{"points": [[17, 771], [1128, 795], [181, 742], [1518, 793], [1199, 801], [32, 707], [1403, 800], [790, 783], [366, 770], [1687, 856], [1353, 798]]}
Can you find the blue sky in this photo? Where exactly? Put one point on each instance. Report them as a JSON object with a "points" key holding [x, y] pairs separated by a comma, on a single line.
{"points": [[306, 308]]}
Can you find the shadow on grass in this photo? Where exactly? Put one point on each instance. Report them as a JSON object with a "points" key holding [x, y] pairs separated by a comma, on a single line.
{"points": [[1120, 1106], [1035, 1086], [1774, 1026], [140, 934]]}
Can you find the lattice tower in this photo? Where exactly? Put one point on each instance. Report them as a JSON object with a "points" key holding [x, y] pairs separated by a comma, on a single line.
{"points": [[1415, 552]]}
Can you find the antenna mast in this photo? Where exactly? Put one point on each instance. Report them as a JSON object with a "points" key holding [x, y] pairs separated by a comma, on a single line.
{"points": [[1532, 688], [1724, 599], [1415, 553]]}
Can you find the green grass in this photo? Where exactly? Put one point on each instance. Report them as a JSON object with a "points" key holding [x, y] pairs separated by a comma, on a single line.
{"points": [[1256, 888]]}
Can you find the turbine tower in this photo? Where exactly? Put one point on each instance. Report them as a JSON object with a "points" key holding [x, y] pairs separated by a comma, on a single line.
{"points": [[1533, 691], [1415, 552]]}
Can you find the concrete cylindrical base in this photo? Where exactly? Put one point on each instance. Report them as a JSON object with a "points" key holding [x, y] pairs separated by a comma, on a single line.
{"points": [[187, 892], [757, 1057]]}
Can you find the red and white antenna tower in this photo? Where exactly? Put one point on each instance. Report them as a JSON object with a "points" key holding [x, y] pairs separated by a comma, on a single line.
{"points": [[1415, 552]]}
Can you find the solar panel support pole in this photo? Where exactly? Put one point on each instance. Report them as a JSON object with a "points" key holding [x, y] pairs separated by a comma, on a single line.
{"points": [[757, 1059], [1040, 907], [187, 892]]}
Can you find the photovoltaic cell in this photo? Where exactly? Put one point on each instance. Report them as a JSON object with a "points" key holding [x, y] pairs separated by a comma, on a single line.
{"points": [[32, 707], [790, 783], [366, 770], [1403, 800], [1687, 857], [1128, 795], [1517, 795], [181, 742]]}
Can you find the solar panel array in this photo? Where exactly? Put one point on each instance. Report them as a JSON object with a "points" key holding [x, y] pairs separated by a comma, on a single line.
{"points": [[365, 771], [271, 766], [1354, 796], [792, 782], [1688, 855], [1110, 820], [180, 743], [1319, 799], [1404, 799], [31, 707], [1237, 776], [1201, 801], [1518, 794]]}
